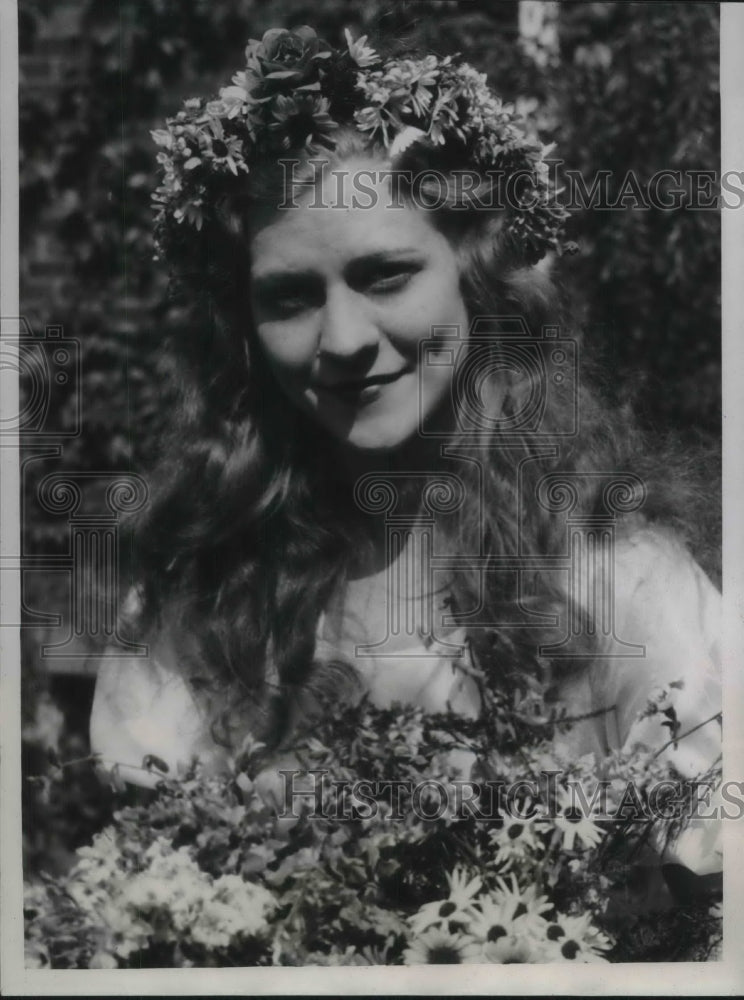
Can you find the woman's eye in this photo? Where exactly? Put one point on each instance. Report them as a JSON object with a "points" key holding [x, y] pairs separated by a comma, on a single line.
{"points": [[390, 281], [290, 305], [287, 301]]}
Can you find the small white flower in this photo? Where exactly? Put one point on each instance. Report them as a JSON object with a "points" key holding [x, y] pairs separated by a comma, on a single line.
{"points": [[370, 119], [362, 54], [253, 903], [573, 823], [232, 97], [406, 138], [163, 137], [122, 930]]}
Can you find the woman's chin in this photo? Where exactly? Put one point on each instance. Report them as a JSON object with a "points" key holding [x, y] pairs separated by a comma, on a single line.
{"points": [[368, 437], [371, 444]]}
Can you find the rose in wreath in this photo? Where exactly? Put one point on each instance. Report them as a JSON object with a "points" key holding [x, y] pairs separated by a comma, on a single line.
{"points": [[287, 58]]}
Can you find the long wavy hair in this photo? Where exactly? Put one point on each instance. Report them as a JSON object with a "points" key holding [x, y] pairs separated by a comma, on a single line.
{"points": [[251, 529]]}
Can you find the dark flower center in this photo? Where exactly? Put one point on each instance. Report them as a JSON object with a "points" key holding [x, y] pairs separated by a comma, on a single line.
{"points": [[555, 931], [219, 147], [495, 932], [515, 831], [569, 949], [573, 815], [446, 908], [444, 954]]}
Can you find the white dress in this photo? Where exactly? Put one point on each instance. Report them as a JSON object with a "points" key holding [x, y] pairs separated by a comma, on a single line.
{"points": [[663, 601]]}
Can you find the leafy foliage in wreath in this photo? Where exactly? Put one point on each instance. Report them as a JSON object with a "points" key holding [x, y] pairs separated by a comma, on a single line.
{"points": [[296, 89]]}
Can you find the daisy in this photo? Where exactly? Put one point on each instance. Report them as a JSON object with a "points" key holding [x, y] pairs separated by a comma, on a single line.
{"points": [[573, 823], [463, 889], [499, 932], [303, 116], [223, 150], [441, 947], [575, 939], [511, 950], [521, 900], [457, 908], [516, 841]]}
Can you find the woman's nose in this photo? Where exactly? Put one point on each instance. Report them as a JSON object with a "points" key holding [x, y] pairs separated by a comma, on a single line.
{"points": [[347, 330]]}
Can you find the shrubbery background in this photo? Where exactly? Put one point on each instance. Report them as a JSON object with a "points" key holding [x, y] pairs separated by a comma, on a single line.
{"points": [[631, 87]]}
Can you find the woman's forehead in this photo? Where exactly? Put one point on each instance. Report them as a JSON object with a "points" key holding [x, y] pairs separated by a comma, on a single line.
{"points": [[309, 230]]}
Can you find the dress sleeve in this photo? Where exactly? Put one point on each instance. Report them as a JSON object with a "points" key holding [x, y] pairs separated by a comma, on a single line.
{"points": [[665, 604], [669, 611], [147, 705]]}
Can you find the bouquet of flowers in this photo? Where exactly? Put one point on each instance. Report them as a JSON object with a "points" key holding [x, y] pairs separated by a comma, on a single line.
{"points": [[374, 849]]}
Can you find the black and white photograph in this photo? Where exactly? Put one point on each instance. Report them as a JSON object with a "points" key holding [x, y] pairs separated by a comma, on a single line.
{"points": [[371, 572]]}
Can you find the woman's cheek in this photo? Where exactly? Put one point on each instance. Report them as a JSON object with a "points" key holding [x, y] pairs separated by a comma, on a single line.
{"points": [[286, 346], [437, 301]]}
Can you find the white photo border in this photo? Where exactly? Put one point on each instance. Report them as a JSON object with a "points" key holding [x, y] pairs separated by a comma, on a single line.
{"points": [[714, 978]]}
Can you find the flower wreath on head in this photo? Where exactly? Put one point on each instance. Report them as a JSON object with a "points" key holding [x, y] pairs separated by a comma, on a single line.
{"points": [[294, 91]]}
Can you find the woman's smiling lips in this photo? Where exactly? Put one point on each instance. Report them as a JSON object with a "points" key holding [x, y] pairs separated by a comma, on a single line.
{"points": [[360, 390]]}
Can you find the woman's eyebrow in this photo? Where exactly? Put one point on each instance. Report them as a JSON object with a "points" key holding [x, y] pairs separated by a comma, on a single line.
{"points": [[378, 258], [381, 256], [269, 280]]}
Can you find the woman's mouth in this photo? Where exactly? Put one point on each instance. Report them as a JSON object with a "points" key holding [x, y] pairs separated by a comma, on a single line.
{"points": [[359, 390]]}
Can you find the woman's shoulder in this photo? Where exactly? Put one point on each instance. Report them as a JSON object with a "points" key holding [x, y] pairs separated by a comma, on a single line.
{"points": [[657, 584], [656, 680], [650, 550], [664, 640]]}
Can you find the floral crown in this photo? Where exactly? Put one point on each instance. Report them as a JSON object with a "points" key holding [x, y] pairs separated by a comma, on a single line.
{"points": [[296, 89]]}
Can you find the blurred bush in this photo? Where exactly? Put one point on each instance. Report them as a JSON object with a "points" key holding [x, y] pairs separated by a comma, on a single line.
{"points": [[639, 94]]}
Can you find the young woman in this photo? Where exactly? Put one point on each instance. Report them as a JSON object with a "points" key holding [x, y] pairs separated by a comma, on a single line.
{"points": [[388, 464]]}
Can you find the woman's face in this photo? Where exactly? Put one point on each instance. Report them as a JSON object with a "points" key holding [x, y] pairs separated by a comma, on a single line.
{"points": [[341, 298]]}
